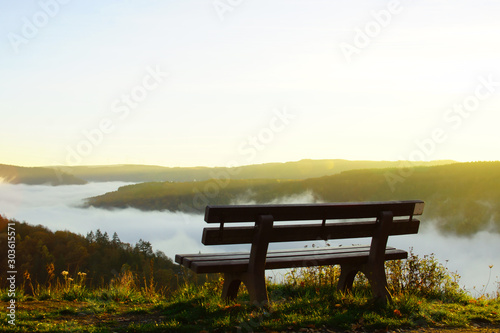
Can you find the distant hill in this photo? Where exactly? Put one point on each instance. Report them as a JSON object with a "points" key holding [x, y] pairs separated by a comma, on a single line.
{"points": [[36, 176], [69, 175], [290, 170], [463, 198]]}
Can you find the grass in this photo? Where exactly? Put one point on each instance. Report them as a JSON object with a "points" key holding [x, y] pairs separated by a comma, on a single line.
{"points": [[426, 295]]}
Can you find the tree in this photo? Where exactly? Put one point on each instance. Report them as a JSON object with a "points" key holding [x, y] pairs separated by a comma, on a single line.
{"points": [[116, 239], [144, 248], [90, 237], [101, 238]]}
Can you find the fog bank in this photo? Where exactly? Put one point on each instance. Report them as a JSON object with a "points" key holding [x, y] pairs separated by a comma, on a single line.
{"points": [[57, 208]]}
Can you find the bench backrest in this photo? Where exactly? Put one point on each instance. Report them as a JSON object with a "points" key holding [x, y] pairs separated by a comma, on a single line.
{"points": [[336, 221]]}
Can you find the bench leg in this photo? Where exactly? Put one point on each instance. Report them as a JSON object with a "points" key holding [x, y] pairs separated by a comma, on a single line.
{"points": [[231, 286], [378, 282], [347, 275], [375, 275], [375, 270], [256, 285]]}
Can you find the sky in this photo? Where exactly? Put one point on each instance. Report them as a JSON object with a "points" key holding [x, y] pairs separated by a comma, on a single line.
{"points": [[236, 82]]}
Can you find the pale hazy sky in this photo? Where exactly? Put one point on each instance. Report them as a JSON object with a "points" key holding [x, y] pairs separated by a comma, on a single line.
{"points": [[222, 82]]}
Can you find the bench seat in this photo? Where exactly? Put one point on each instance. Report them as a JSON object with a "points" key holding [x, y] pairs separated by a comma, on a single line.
{"points": [[238, 261]]}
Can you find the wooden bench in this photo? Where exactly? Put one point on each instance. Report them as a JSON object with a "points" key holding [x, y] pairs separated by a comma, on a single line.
{"points": [[377, 220]]}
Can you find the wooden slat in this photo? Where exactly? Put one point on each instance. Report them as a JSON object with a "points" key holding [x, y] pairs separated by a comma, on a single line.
{"points": [[305, 232], [249, 213], [188, 259], [327, 258]]}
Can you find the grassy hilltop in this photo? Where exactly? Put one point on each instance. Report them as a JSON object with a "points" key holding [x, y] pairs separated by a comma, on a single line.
{"points": [[115, 287]]}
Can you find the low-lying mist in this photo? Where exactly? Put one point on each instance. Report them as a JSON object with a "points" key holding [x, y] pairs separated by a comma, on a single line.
{"points": [[303, 198], [58, 208]]}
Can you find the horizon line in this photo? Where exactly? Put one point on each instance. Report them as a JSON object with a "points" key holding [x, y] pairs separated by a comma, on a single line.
{"points": [[244, 165]]}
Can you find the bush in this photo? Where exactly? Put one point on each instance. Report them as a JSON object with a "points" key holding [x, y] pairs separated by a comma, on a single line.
{"points": [[423, 277], [418, 276]]}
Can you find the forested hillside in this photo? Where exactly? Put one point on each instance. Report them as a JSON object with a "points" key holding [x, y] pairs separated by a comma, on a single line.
{"points": [[461, 198], [45, 255], [36, 176]]}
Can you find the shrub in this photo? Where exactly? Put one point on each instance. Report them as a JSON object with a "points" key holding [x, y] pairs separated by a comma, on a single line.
{"points": [[424, 277], [419, 276]]}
